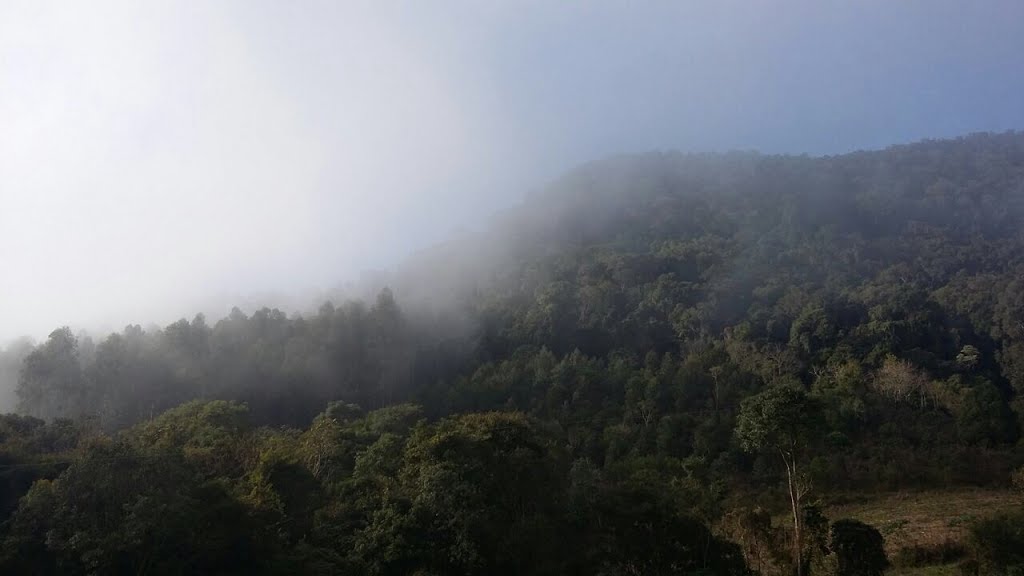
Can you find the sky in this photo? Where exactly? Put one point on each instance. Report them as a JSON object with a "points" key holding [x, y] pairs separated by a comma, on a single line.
{"points": [[159, 158]]}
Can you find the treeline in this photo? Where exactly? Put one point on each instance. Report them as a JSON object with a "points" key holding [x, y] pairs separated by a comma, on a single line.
{"points": [[628, 317], [285, 369], [199, 490]]}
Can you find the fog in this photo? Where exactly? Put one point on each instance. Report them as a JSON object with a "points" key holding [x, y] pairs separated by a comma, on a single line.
{"points": [[161, 158]]}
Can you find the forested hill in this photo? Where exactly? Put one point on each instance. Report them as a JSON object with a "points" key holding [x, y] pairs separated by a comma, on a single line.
{"points": [[753, 209], [615, 334]]}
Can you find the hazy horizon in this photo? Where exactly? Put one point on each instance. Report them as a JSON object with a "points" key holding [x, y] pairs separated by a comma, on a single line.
{"points": [[162, 159]]}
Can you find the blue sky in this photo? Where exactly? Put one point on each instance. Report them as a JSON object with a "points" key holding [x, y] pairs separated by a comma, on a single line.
{"points": [[804, 77], [162, 157]]}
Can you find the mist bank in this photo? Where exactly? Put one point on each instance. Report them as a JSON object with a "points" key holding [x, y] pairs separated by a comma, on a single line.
{"points": [[12, 357], [914, 251]]}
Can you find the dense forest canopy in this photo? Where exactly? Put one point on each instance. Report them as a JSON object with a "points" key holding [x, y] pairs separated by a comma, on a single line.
{"points": [[610, 360]]}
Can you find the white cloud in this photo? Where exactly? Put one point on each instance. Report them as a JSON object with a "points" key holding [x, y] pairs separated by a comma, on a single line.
{"points": [[156, 153]]}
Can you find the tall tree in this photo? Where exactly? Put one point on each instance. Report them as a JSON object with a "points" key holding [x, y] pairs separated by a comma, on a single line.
{"points": [[783, 419], [51, 383]]}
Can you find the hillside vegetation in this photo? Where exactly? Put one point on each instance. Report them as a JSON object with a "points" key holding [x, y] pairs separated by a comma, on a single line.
{"points": [[662, 364]]}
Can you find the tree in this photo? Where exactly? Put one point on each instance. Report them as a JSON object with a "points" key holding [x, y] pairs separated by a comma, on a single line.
{"points": [[51, 382], [859, 549], [11, 360], [901, 381], [476, 494], [968, 357], [120, 511], [210, 436], [752, 530], [634, 529], [782, 419]]}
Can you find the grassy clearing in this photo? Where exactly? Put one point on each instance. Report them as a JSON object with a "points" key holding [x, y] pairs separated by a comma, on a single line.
{"points": [[943, 570], [923, 518], [926, 529]]}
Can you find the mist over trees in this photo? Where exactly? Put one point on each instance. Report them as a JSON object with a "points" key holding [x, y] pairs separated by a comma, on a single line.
{"points": [[11, 358], [602, 364]]}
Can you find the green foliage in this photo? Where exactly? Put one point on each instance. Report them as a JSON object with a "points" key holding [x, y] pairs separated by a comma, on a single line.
{"points": [[50, 383], [997, 545], [779, 418], [485, 486], [640, 532], [118, 511], [205, 434]]}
